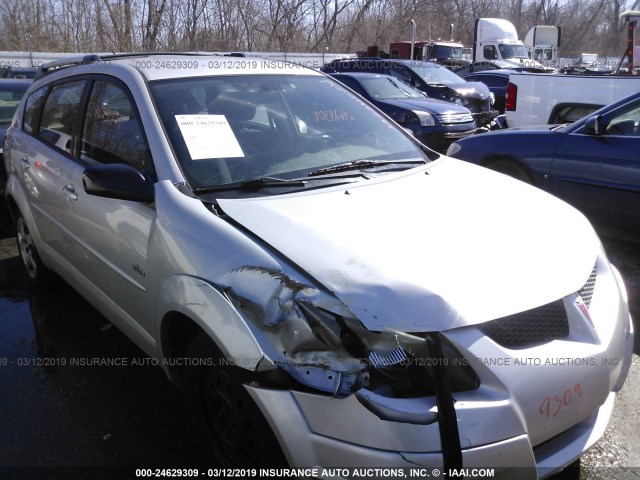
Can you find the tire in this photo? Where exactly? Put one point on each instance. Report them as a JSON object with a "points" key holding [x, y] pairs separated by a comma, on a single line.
{"points": [[37, 274], [230, 425], [511, 168]]}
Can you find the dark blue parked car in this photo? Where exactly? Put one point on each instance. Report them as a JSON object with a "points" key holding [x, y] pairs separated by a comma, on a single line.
{"points": [[434, 122], [593, 163], [435, 80]]}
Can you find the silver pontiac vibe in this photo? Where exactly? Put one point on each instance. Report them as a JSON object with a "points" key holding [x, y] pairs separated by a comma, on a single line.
{"points": [[326, 290]]}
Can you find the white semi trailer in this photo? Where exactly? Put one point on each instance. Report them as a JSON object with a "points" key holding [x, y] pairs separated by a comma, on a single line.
{"points": [[542, 43]]}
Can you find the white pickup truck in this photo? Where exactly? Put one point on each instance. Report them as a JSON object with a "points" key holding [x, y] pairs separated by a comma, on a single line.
{"points": [[538, 98]]}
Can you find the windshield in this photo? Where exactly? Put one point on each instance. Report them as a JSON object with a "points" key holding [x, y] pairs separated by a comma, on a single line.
{"points": [[434, 74], [513, 51], [442, 51], [10, 96], [388, 88], [229, 129]]}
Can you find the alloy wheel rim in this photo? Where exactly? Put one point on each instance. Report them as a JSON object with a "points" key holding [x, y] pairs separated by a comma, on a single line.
{"points": [[27, 250]]}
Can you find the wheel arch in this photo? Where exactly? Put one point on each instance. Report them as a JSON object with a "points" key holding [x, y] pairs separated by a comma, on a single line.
{"points": [[13, 207], [562, 112], [188, 306], [503, 163], [16, 199], [178, 330]]}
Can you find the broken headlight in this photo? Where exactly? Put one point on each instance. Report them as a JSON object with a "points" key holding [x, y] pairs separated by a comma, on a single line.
{"points": [[389, 362], [318, 342]]}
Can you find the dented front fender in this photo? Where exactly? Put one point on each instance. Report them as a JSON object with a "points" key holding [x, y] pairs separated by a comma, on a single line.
{"points": [[210, 309]]}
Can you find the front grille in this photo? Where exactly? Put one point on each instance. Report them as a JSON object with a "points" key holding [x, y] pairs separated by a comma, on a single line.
{"points": [[539, 325], [533, 327], [454, 118], [586, 292], [457, 135]]}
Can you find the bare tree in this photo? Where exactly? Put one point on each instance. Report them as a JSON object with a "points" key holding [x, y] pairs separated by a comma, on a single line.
{"points": [[120, 15], [153, 11], [291, 25]]}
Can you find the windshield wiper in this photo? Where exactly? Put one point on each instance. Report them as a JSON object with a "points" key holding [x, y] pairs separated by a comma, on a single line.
{"points": [[254, 184], [359, 164]]}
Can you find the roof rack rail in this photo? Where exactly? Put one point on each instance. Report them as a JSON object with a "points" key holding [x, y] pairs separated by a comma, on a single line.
{"points": [[73, 61], [115, 56], [66, 62], [231, 54]]}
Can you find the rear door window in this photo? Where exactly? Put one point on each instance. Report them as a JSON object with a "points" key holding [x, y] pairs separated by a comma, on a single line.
{"points": [[60, 115]]}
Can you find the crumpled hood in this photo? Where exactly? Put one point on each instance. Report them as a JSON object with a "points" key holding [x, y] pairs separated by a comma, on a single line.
{"points": [[470, 89], [435, 248]]}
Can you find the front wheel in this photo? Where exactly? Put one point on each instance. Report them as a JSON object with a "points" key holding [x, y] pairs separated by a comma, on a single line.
{"points": [[231, 426]]}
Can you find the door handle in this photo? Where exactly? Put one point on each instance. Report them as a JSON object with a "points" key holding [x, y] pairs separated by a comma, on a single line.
{"points": [[70, 192]]}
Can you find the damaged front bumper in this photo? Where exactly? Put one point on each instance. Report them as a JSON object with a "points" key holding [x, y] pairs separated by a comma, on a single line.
{"points": [[530, 391], [313, 433], [494, 423]]}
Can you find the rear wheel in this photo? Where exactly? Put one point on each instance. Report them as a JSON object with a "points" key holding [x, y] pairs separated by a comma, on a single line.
{"points": [[511, 168], [37, 273], [230, 425]]}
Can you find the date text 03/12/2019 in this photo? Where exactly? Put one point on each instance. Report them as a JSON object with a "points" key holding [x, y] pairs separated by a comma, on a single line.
{"points": [[316, 472]]}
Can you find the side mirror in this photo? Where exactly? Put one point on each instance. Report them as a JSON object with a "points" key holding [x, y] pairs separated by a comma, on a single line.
{"points": [[595, 125], [118, 181]]}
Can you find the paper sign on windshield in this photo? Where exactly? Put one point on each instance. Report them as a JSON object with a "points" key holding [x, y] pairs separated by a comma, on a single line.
{"points": [[208, 136]]}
